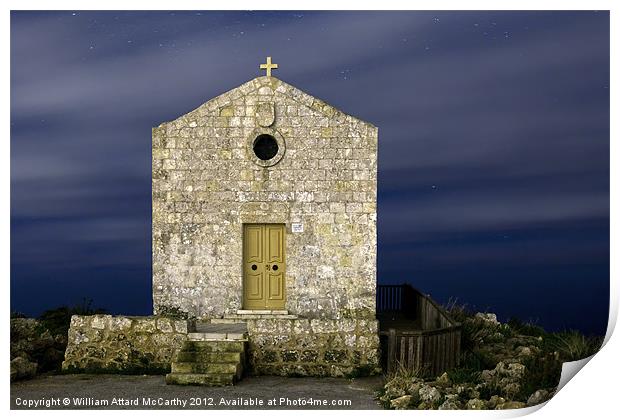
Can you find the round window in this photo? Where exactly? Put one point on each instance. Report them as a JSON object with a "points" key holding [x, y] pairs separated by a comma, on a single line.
{"points": [[265, 147]]}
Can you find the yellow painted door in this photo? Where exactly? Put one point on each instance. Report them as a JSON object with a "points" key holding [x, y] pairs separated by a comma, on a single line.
{"points": [[263, 266]]}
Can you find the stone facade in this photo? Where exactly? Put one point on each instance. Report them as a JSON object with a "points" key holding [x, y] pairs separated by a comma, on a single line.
{"points": [[207, 182], [284, 347]]}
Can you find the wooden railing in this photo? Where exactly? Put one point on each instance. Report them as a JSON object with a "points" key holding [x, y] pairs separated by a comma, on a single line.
{"points": [[429, 353], [396, 299], [426, 339]]}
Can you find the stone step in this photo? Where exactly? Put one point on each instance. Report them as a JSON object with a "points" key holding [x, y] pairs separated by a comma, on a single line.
{"points": [[241, 317], [210, 379], [209, 336], [262, 312], [194, 367], [215, 346], [208, 357], [210, 327], [226, 321]]}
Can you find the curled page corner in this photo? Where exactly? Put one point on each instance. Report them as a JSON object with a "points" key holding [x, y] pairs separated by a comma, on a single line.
{"points": [[570, 369], [519, 412]]}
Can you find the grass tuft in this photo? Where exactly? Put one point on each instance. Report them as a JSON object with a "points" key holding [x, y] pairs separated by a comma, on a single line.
{"points": [[572, 345]]}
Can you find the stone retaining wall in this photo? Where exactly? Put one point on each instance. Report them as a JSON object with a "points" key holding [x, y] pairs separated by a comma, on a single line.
{"points": [[285, 347], [317, 347], [123, 344]]}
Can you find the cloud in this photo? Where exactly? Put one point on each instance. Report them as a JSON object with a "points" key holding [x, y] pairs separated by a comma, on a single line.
{"points": [[506, 114], [466, 211]]}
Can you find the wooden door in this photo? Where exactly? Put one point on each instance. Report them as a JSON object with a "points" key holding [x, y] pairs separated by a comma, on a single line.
{"points": [[263, 266]]}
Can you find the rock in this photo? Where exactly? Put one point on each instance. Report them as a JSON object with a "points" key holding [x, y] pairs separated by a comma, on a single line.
{"points": [[524, 351], [487, 375], [451, 403], [511, 389], [467, 391], [425, 406], [22, 368], [443, 380], [414, 390], [510, 405], [401, 403], [475, 404], [429, 394], [508, 377], [32, 342], [515, 371], [494, 401], [400, 386], [487, 318], [538, 397]]}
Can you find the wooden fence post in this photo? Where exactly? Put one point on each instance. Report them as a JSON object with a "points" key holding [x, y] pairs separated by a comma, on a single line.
{"points": [[391, 350]]}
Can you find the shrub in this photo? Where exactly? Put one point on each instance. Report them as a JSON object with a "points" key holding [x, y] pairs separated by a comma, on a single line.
{"points": [[477, 360], [572, 345], [476, 332], [462, 375], [487, 390], [57, 320], [540, 372], [173, 312], [526, 328], [405, 373], [458, 311]]}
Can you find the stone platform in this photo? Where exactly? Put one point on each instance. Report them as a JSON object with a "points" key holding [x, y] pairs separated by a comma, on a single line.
{"points": [[274, 344]]}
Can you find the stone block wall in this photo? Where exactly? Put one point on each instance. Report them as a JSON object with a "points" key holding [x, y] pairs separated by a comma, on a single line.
{"points": [[317, 347], [283, 347], [123, 344], [207, 183]]}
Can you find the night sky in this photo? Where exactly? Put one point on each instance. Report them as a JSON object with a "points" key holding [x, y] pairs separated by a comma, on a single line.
{"points": [[493, 145]]}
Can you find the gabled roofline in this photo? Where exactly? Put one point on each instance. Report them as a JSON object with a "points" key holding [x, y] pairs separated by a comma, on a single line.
{"points": [[278, 86]]}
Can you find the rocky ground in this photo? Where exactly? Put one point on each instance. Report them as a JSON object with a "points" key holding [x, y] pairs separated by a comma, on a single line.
{"points": [[34, 349], [503, 366]]}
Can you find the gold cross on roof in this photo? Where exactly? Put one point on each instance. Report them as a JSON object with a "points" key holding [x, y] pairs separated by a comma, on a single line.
{"points": [[268, 66]]}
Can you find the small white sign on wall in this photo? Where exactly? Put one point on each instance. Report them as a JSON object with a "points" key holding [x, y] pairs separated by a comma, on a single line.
{"points": [[297, 227]]}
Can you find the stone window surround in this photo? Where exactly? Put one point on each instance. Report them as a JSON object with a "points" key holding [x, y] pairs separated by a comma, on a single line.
{"points": [[279, 139]]}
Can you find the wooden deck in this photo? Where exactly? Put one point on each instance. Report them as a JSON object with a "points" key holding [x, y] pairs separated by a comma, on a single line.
{"points": [[416, 332]]}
